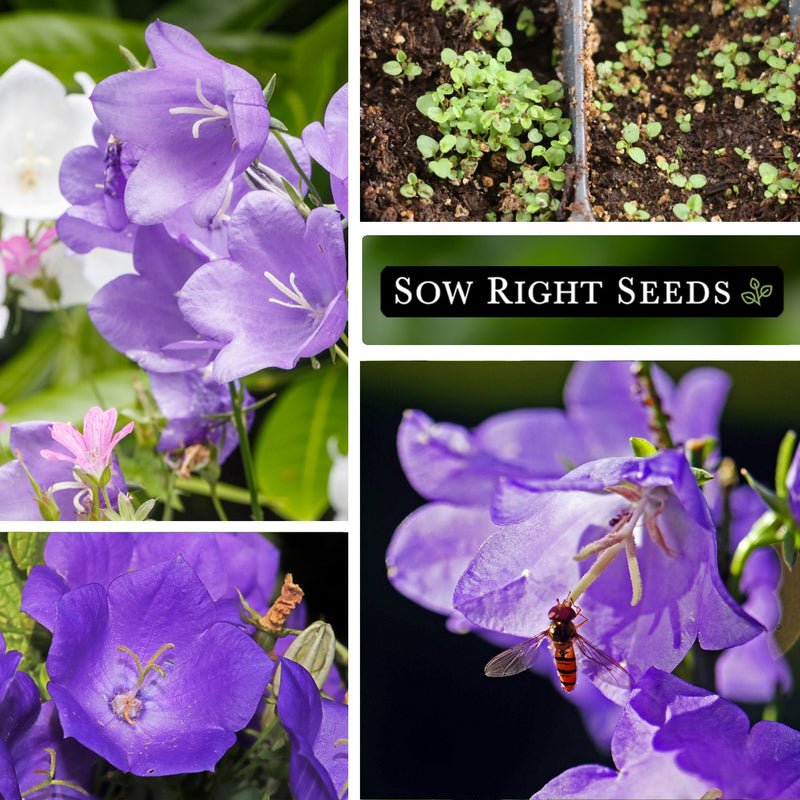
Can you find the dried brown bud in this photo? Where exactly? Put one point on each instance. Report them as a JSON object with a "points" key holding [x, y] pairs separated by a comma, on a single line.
{"points": [[291, 596]]}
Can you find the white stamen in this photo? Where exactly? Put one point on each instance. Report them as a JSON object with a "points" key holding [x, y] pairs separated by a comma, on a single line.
{"points": [[209, 111], [299, 301], [221, 216]]}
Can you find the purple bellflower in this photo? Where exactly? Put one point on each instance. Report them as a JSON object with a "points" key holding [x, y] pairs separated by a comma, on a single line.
{"points": [[328, 146], [188, 399], [198, 122], [139, 315], [676, 741], [646, 608], [286, 278], [224, 562], [27, 727], [754, 671], [317, 730], [93, 179], [53, 475], [143, 674]]}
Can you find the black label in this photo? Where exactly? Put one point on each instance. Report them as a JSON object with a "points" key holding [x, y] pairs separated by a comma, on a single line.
{"points": [[582, 291]]}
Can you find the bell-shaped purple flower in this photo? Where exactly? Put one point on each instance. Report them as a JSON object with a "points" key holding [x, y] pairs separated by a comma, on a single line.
{"points": [[648, 567], [189, 400], [286, 278], [328, 146], [606, 406], [198, 122], [754, 671], [93, 179], [317, 730], [139, 315], [27, 728], [676, 741], [144, 675], [224, 562]]}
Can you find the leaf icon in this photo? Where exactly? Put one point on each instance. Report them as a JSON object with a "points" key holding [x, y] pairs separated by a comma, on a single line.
{"points": [[750, 298], [754, 284], [766, 291]]}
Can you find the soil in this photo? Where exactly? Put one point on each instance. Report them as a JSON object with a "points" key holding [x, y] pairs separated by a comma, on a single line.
{"points": [[390, 122], [727, 119], [717, 123]]}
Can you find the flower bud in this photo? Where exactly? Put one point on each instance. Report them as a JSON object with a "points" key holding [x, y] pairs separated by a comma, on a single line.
{"points": [[314, 649]]}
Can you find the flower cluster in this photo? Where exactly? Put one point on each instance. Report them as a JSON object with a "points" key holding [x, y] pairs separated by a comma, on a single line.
{"points": [[611, 510], [155, 669], [171, 203]]}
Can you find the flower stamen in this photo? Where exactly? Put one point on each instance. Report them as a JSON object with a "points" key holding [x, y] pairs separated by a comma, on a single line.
{"points": [[209, 111], [294, 294], [644, 506], [128, 705]]}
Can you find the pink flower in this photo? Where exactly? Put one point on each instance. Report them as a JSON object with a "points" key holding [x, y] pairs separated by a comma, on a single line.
{"points": [[91, 450], [21, 255]]}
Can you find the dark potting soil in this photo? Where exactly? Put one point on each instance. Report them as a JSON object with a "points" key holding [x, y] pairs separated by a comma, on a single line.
{"points": [[727, 119], [390, 122]]}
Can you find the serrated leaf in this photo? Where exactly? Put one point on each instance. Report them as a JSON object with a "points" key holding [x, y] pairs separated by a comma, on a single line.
{"points": [[16, 626], [291, 455], [27, 549]]}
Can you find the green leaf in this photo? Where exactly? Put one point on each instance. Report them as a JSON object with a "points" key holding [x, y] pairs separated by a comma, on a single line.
{"points": [[767, 172], [442, 167], [652, 129], [291, 456], [789, 629], [637, 154], [642, 448], [200, 16], [784, 460], [16, 626], [67, 43], [428, 146], [392, 68], [630, 133], [27, 549], [69, 403]]}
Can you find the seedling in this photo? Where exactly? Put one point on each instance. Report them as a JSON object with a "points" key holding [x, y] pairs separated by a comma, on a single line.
{"points": [[485, 19], [414, 187], [526, 22], [485, 107], [700, 88], [633, 212], [780, 185], [684, 120], [402, 66], [631, 134], [691, 210]]}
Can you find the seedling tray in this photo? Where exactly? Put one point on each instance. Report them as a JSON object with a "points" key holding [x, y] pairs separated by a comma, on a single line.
{"points": [[728, 155]]}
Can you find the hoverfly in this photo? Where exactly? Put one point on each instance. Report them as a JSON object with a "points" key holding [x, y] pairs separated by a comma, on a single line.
{"points": [[564, 636]]}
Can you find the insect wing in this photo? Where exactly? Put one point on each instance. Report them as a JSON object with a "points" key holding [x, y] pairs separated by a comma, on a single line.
{"points": [[601, 665], [516, 659]]}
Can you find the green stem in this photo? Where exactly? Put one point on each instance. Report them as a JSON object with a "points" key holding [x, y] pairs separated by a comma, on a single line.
{"points": [[341, 354], [244, 449], [225, 491], [312, 191], [216, 503]]}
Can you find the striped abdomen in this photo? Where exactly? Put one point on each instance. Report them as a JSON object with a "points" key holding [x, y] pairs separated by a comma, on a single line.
{"points": [[566, 666]]}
